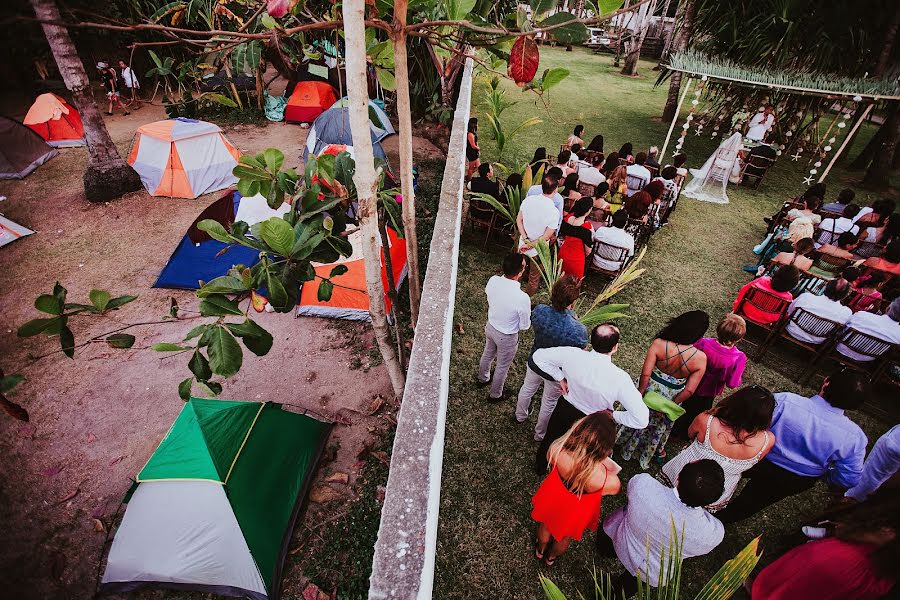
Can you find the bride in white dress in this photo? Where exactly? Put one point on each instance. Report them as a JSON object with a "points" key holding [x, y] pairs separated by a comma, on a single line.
{"points": [[710, 182]]}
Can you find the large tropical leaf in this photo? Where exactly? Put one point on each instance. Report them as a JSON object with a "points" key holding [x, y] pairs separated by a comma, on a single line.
{"points": [[569, 30], [524, 58]]}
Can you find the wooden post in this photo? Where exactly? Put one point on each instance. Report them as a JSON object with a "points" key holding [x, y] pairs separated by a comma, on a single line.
{"points": [[687, 87], [845, 142]]}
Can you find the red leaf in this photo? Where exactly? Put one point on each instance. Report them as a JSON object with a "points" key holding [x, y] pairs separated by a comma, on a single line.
{"points": [[116, 461], [51, 471], [69, 496], [279, 8], [13, 409], [91, 438], [524, 59]]}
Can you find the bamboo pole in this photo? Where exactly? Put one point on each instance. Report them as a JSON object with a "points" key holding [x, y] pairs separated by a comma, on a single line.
{"points": [[845, 142], [687, 87]]}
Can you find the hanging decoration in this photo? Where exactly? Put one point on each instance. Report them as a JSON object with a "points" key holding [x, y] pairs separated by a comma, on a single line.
{"points": [[690, 116]]}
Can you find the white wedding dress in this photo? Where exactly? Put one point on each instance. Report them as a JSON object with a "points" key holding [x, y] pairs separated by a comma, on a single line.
{"points": [[710, 182]]}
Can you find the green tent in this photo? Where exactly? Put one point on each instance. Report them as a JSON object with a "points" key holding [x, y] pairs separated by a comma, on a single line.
{"points": [[214, 507]]}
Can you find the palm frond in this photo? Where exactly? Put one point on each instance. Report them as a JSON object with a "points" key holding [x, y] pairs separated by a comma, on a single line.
{"points": [[599, 312], [547, 260]]}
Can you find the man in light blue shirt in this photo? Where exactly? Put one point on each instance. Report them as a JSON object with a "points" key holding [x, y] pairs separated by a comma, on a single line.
{"points": [[881, 465], [813, 440]]}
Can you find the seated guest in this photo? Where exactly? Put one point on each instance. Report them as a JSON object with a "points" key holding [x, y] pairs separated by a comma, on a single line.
{"points": [[846, 243], [638, 205], [652, 157], [889, 262], [725, 365], [884, 327], [827, 306], [667, 177], [843, 223], [880, 467], [592, 174], [735, 434], [883, 233], [514, 181], [581, 161], [554, 326], [656, 189], [596, 144], [810, 206], [484, 183], [815, 441], [844, 198], [617, 183], [799, 256], [779, 284], [615, 235], [601, 207], [769, 151], [589, 382], [678, 162], [876, 214], [858, 562], [575, 137], [570, 191], [538, 160], [562, 162], [577, 242], [866, 292], [569, 499], [611, 164], [640, 533], [638, 174], [626, 152]]}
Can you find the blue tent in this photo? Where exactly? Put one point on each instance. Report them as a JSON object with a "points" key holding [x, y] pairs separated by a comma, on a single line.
{"points": [[201, 258], [333, 127]]}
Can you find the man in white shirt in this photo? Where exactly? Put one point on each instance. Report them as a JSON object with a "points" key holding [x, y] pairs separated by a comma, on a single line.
{"points": [[592, 175], [130, 79], [760, 124], [838, 226], [828, 306], [884, 327], [538, 189], [538, 219], [589, 382], [509, 312], [637, 175], [616, 235]]}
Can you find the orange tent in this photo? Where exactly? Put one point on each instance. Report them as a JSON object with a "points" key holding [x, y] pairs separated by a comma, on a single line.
{"points": [[52, 118], [309, 100]]}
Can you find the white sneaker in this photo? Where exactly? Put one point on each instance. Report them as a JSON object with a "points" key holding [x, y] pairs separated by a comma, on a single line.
{"points": [[814, 533]]}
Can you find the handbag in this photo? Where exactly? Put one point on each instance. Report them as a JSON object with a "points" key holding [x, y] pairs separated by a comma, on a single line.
{"points": [[659, 403]]}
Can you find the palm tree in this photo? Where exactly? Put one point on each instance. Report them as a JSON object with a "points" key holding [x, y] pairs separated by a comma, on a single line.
{"points": [[682, 39], [633, 47], [107, 175]]}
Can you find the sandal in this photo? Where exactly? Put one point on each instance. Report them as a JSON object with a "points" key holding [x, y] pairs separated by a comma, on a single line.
{"points": [[109, 114], [550, 561], [538, 553]]}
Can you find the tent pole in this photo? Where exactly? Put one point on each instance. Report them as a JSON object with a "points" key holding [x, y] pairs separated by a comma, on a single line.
{"points": [[687, 87], [846, 141]]}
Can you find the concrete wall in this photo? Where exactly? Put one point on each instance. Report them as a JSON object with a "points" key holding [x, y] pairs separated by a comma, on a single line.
{"points": [[403, 566]]}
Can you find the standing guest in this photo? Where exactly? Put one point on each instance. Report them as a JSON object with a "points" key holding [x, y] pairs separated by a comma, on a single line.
{"points": [[131, 83], [760, 124], [640, 533], [827, 306], [555, 325], [889, 262], [570, 497], [615, 235], [884, 327], [509, 312], [485, 183], [108, 77], [652, 158], [611, 164], [626, 152], [799, 256], [570, 191], [725, 365], [592, 175], [779, 284], [673, 370], [558, 201], [735, 434], [575, 137], [473, 150], [596, 144], [578, 239], [638, 174], [815, 440], [880, 467], [538, 160], [589, 382], [538, 219]]}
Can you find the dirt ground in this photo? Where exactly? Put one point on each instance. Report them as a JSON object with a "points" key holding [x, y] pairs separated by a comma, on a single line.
{"points": [[96, 419]]}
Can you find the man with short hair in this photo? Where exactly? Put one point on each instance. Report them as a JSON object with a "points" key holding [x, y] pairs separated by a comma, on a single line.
{"points": [[843, 223], [554, 326], [131, 83], [592, 175], [638, 171], [509, 312], [827, 306], [885, 327], [616, 235], [845, 197], [846, 243], [640, 533], [538, 219], [652, 157], [760, 124], [484, 183], [538, 189], [589, 382], [813, 440]]}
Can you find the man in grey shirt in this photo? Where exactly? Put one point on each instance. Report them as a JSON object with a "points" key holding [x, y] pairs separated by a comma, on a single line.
{"points": [[646, 523]]}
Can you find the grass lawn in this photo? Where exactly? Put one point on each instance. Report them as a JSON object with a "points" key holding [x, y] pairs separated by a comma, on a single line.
{"points": [[485, 532]]}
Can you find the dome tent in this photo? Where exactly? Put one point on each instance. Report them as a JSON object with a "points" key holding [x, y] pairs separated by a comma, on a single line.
{"points": [[52, 118], [21, 150], [308, 100], [333, 127]]}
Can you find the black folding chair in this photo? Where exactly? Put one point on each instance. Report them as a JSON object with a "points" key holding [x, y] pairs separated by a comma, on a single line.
{"points": [[609, 252], [755, 169], [809, 323], [876, 350]]}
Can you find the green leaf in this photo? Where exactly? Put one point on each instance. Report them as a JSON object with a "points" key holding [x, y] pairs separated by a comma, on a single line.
{"points": [[278, 235], [184, 389], [227, 284], [458, 9], [248, 188], [274, 159], [36, 326], [220, 99], [199, 366], [607, 7], [49, 304], [251, 173], [168, 347], [225, 354], [215, 229], [539, 7], [8, 382], [164, 10], [338, 270], [198, 330], [386, 79], [119, 301], [120, 340], [67, 341], [325, 290], [210, 387], [268, 22], [255, 338], [219, 306], [99, 298], [553, 77], [573, 33], [278, 296]]}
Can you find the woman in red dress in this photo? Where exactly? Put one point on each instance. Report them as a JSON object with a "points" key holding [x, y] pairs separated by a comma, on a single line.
{"points": [[569, 499], [578, 240]]}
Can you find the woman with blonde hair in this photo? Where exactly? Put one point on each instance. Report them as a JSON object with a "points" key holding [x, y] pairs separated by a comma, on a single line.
{"points": [[570, 497]]}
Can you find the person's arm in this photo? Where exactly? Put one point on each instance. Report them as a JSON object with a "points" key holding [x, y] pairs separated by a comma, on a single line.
{"points": [[636, 414], [613, 485], [740, 296], [551, 361], [736, 372], [647, 369], [548, 234], [882, 464], [520, 225], [697, 430], [471, 137], [847, 468], [525, 314], [692, 382]]}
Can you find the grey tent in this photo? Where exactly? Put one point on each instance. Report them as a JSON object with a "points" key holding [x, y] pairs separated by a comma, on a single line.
{"points": [[333, 127], [21, 150]]}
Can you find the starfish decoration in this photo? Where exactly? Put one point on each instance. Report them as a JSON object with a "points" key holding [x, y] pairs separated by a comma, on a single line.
{"points": [[795, 157], [808, 180], [698, 132]]}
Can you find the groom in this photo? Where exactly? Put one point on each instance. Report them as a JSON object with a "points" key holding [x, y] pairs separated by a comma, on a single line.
{"points": [[761, 123]]}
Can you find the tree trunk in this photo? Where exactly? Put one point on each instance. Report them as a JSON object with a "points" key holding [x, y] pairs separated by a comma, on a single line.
{"points": [[366, 184], [637, 40], [107, 175], [406, 160], [879, 173], [680, 42], [869, 151]]}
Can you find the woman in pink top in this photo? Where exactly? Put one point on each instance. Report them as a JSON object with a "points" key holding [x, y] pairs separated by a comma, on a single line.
{"points": [[780, 284]]}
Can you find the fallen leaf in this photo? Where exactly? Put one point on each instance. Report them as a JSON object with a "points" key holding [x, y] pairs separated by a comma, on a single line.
{"points": [[27, 431], [116, 460], [321, 494], [91, 438], [376, 405], [69, 496], [367, 447], [13, 410], [51, 471], [382, 456], [460, 329], [98, 526], [342, 419], [311, 592], [338, 477], [323, 596], [379, 493]]}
